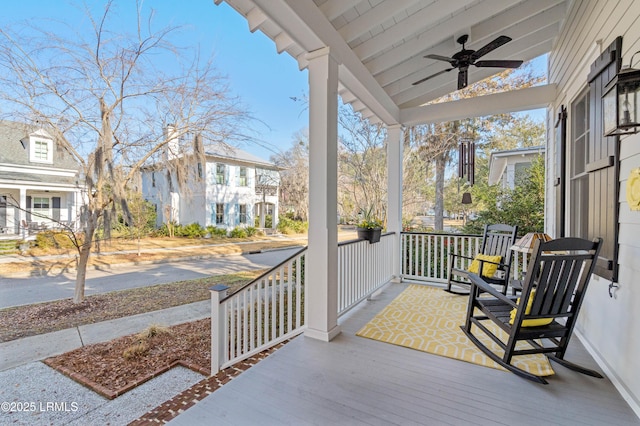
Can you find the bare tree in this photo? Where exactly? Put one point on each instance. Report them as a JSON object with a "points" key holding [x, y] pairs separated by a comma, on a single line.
{"points": [[294, 176], [362, 171], [106, 98]]}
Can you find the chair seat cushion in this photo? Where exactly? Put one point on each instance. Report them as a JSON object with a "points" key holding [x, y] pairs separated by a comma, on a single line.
{"points": [[538, 322], [489, 267]]}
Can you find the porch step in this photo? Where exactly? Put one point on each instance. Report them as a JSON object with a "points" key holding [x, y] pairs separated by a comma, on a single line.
{"points": [[8, 246]]}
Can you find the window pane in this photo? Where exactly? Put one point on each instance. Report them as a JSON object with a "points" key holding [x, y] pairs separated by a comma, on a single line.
{"points": [[41, 151], [220, 172], [243, 213], [579, 179], [243, 176], [219, 214]]}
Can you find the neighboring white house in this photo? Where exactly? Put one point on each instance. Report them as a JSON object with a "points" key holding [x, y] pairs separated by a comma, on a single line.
{"points": [[230, 189], [505, 167], [38, 181]]}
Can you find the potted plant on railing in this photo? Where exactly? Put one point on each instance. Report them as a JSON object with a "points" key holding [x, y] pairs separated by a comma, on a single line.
{"points": [[370, 228]]}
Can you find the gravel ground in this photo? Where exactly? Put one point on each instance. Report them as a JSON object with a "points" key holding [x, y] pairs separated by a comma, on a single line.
{"points": [[45, 397]]}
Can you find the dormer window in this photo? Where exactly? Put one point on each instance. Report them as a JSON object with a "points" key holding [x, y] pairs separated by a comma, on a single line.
{"points": [[41, 150]]}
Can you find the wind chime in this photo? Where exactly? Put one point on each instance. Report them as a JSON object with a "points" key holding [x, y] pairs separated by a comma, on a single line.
{"points": [[466, 165]]}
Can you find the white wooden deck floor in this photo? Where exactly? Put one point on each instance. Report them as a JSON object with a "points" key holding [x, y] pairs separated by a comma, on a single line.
{"points": [[357, 381]]}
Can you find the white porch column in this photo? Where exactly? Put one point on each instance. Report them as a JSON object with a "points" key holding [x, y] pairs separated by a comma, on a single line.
{"points": [[22, 213], [394, 192], [322, 264], [274, 215]]}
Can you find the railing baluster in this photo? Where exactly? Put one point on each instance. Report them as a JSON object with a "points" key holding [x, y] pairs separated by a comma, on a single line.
{"points": [[426, 255]]}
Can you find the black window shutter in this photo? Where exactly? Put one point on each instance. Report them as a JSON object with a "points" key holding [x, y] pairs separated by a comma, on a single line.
{"points": [[604, 165], [28, 208], [56, 208]]}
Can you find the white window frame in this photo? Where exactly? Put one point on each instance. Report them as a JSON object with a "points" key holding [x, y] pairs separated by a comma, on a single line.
{"points": [[219, 218], [41, 211], [243, 179], [221, 174], [243, 218], [35, 154]]}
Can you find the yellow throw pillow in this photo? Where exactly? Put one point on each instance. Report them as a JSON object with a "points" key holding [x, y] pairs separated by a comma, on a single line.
{"points": [[488, 269], [531, 322]]}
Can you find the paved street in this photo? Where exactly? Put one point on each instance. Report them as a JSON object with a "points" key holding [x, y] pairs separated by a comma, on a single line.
{"points": [[24, 291]]}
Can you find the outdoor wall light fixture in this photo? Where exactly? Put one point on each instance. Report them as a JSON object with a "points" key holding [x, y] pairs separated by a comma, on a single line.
{"points": [[620, 102]]}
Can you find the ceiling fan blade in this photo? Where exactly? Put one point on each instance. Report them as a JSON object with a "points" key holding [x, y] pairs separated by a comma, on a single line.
{"points": [[431, 76], [462, 79], [441, 58], [499, 63], [490, 47]]}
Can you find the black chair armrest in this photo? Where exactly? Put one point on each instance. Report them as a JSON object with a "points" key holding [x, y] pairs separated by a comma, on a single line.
{"points": [[461, 255], [482, 285]]}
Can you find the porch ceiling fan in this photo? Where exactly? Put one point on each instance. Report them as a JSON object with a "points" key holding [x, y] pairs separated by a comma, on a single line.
{"points": [[464, 58]]}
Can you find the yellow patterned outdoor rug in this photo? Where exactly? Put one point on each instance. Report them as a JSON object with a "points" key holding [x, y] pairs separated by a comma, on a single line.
{"points": [[428, 319]]}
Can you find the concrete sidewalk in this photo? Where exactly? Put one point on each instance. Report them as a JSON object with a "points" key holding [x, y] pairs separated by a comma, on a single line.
{"points": [[35, 348]]}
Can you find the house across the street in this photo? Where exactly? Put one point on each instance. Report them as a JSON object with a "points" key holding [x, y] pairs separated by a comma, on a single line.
{"points": [[39, 181], [231, 188]]}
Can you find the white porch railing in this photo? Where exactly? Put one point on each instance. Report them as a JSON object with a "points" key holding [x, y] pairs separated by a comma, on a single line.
{"points": [[265, 312], [362, 269], [271, 308], [425, 256]]}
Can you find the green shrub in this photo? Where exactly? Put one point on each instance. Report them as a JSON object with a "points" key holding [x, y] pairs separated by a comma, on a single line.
{"points": [[291, 226], [238, 232], [214, 231], [251, 231], [193, 230]]}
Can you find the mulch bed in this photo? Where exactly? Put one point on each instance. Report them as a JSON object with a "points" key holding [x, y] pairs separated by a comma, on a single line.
{"points": [[115, 367], [103, 367]]}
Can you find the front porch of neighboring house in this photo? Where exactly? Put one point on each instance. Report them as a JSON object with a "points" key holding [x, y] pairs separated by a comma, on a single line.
{"points": [[27, 210], [355, 380]]}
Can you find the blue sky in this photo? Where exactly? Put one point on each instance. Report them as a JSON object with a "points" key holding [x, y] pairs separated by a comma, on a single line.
{"points": [[264, 80]]}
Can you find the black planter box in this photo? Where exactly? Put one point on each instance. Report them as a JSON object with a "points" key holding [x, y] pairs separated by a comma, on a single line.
{"points": [[371, 235]]}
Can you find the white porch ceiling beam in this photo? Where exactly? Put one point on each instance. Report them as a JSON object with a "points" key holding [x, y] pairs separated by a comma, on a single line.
{"points": [[423, 41], [334, 8], [255, 18], [372, 18], [543, 11], [283, 42], [409, 27], [499, 103], [358, 80]]}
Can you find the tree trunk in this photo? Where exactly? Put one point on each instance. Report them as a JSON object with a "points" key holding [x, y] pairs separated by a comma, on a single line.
{"points": [[439, 205], [81, 274], [84, 252]]}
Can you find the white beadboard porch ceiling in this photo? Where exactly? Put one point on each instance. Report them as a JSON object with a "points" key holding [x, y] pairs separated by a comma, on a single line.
{"points": [[381, 44]]}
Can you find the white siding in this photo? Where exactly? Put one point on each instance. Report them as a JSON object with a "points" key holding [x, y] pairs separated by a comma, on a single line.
{"points": [[609, 327]]}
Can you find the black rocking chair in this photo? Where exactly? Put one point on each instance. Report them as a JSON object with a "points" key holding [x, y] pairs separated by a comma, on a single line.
{"points": [[497, 240], [552, 292]]}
